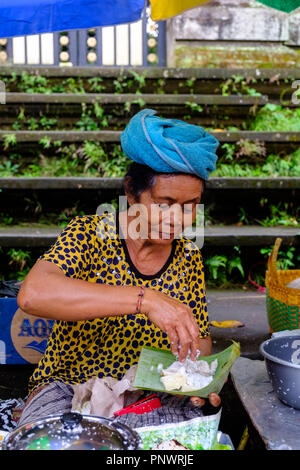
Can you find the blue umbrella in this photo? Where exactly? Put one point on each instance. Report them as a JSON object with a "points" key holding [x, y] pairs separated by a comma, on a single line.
{"points": [[23, 17]]}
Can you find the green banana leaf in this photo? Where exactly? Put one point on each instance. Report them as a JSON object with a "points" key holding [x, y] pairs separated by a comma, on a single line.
{"points": [[148, 376], [282, 5]]}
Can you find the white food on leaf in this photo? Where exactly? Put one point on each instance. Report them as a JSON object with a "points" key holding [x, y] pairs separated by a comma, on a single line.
{"points": [[189, 375]]}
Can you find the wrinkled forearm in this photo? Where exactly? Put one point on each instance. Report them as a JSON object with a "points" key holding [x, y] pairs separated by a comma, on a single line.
{"points": [[48, 293]]}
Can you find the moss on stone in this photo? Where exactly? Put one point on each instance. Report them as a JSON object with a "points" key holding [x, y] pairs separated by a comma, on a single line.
{"points": [[189, 56]]}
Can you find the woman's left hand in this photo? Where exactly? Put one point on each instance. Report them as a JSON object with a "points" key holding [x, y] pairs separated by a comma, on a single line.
{"points": [[213, 399]]}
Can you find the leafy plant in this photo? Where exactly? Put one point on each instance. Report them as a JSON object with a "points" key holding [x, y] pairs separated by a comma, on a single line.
{"points": [[272, 118], [94, 156], [238, 85], [9, 140], [45, 142], [87, 121], [243, 218], [229, 151], [100, 114], [73, 85], [235, 262], [20, 120], [32, 124], [7, 169], [31, 83], [286, 257], [216, 264], [139, 78], [116, 166], [6, 219], [33, 205], [67, 214], [250, 150], [220, 267], [19, 258], [48, 123], [195, 107], [273, 166], [279, 216], [190, 83], [139, 101], [96, 84], [121, 84], [160, 84]]}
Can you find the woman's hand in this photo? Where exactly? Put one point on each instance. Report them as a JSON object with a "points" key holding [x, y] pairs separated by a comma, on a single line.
{"points": [[213, 399], [176, 320]]}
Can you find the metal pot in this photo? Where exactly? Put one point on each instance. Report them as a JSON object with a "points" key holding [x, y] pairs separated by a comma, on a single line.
{"points": [[72, 431], [282, 358]]}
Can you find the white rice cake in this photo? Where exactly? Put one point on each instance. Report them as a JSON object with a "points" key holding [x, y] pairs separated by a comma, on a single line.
{"points": [[189, 375]]}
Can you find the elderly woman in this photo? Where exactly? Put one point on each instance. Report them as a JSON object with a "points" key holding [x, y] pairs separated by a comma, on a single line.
{"points": [[116, 283]]}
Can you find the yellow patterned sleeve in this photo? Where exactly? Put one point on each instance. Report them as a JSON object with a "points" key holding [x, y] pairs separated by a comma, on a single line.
{"points": [[73, 249]]}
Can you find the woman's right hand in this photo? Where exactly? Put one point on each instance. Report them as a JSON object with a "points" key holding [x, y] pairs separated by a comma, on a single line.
{"points": [[176, 320]]}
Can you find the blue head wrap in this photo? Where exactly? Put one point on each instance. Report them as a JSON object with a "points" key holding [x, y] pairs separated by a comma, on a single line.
{"points": [[169, 145]]}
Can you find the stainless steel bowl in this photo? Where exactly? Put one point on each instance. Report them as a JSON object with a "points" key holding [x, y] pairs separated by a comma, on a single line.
{"points": [[282, 358], [72, 431]]}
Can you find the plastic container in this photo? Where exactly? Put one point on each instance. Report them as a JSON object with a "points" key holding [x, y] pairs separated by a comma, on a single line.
{"points": [[282, 358], [72, 431]]}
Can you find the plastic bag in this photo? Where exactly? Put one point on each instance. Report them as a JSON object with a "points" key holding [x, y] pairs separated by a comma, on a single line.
{"points": [[9, 288], [199, 433]]}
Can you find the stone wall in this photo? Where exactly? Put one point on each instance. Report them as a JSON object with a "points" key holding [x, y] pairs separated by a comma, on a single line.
{"points": [[244, 25]]}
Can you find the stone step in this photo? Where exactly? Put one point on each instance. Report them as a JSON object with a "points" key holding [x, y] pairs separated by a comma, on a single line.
{"points": [[36, 235], [151, 99], [270, 81], [67, 108], [150, 72], [270, 74], [217, 183], [248, 235], [283, 143], [114, 136]]}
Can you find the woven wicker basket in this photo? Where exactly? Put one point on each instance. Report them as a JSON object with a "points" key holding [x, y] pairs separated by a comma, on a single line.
{"points": [[283, 303]]}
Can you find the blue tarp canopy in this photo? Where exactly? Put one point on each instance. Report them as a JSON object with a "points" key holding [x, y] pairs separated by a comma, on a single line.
{"points": [[23, 17]]}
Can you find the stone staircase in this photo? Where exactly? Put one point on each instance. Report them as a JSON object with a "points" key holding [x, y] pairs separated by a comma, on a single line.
{"points": [[41, 115]]}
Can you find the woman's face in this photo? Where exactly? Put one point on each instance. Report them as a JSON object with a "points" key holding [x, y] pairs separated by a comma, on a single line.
{"points": [[165, 210]]}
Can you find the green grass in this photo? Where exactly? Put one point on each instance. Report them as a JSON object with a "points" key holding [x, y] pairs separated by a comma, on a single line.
{"points": [[275, 118], [90, 159], [272, 166]]}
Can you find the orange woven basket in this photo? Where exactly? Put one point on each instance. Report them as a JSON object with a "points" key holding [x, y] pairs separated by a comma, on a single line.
{"points": [[282, 302]]}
